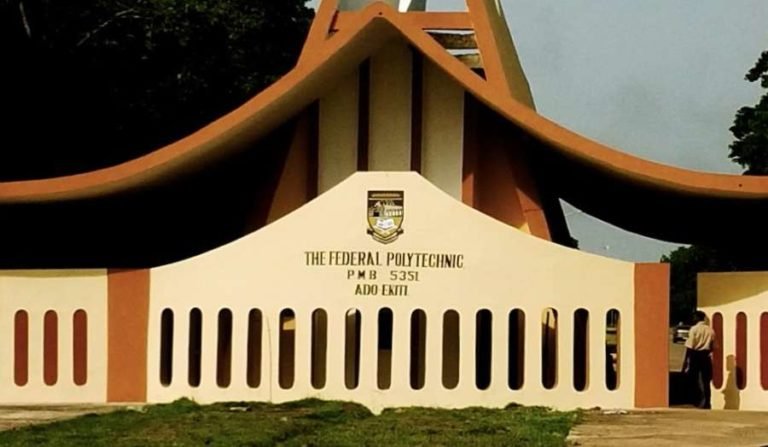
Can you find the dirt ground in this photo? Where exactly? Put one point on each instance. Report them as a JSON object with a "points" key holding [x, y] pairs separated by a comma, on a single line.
{"points": [[673, 427], [19, 416]]}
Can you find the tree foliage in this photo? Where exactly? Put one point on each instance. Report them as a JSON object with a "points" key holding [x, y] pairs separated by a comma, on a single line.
{"points": [[92, 83], [750, 128], [750, 150]]}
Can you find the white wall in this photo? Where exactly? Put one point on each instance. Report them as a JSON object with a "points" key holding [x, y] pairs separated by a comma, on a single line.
{"points": [[390, 108], [504, 269], [443, 131], [63, 291], [338, 133]]}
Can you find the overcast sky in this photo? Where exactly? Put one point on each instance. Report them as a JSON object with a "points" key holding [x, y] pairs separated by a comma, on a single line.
{"points": [[661, 79]]}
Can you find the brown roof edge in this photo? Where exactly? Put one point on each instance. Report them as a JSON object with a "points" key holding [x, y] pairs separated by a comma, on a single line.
{"points": [[305, 83]]}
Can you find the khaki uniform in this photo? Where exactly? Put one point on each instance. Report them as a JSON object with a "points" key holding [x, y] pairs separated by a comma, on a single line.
{"points": [[701, 337]]}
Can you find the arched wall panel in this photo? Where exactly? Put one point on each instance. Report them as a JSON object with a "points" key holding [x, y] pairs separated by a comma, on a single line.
{"points": [[736, 303]]}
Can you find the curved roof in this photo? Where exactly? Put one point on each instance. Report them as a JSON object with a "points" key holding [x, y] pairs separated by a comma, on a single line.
{"points": [[339, 55]]}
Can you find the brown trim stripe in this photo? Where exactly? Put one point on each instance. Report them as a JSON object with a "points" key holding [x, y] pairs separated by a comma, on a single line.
{"points": [[127, 326]]}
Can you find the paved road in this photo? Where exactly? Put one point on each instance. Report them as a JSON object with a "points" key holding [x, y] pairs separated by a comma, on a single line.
{"points": [[672, 428], [676, 356], [19, 416]]}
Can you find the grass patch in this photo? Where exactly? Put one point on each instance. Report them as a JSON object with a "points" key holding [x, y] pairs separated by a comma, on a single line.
{"points": [[301, 423]]}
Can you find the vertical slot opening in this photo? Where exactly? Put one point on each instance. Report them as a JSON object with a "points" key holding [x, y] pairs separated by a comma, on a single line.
{"points": [[741, 350], [549, 348], [384, 356], [418, 348], [612, 348], [80, 347], [253, 361], [287, 348], [50, 348], [451, 344], [166, 347], [516, 349], [352, 349], [319, 347], [21, 348], [224, 349], [717, 351], [764, 350], [580, 349], [483, 348], [194, 354]]}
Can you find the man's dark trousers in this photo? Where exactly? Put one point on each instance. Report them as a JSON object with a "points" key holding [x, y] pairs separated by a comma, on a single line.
{"points": [[701, 375]]}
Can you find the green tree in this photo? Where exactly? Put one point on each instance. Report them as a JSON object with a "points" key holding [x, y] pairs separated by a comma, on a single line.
{"points": [[750, 150], [86, 84]]}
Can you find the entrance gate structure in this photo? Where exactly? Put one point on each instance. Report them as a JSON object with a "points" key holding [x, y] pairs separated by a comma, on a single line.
{"points": [[256, 259]]}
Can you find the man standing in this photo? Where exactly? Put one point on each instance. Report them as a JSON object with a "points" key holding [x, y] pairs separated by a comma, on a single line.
{"points": [[698, 357]]}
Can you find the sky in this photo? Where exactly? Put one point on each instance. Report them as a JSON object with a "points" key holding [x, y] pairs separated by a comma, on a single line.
{"points": [[660, 79]]}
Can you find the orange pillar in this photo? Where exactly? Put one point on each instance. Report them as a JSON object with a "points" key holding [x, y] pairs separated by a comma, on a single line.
{"points": [[651, 335], [496, 174], [127, 325]]}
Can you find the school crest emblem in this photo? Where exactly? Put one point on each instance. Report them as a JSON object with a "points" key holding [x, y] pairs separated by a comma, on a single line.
{"points": [[385, 215]]}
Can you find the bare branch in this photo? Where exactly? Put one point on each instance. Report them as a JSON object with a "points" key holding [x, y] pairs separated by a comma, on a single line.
{"points": [[103, 25], [24, 20]]}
